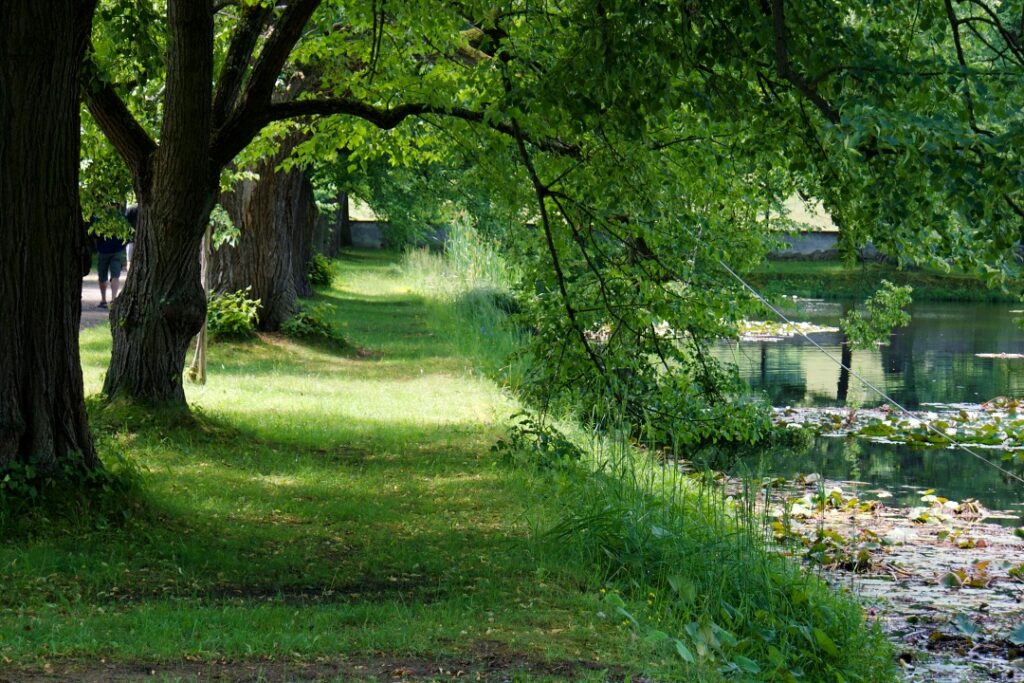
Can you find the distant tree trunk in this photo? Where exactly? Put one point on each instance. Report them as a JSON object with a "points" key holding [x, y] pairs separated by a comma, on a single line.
{"points": [[42, 412], [333, 229], [276, 216]]}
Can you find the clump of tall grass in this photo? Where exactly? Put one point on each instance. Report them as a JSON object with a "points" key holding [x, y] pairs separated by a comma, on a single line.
{"points": [[687, 567], [472, 286]]}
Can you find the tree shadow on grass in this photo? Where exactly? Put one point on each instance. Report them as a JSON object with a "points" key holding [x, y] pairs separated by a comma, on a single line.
{"points": [[233, 517]]}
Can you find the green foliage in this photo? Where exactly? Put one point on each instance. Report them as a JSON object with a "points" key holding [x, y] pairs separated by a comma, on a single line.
{"points": [[232, 315], [311, 323], [320, 271], [531, 441], [690, 575], [884, 312], [224, 230], [834, 280]]}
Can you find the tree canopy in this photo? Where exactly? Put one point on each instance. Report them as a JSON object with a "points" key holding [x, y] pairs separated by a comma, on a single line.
{"points": [[635, 146]]}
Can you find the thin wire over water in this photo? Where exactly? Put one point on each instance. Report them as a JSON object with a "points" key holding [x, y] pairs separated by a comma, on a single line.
{"points": [[865, 382]]}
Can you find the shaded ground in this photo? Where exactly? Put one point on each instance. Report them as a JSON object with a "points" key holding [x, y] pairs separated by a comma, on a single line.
{"points": [[489, 662]]}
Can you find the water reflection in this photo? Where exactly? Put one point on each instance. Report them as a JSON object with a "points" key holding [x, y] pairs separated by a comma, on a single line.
{"points": [[932, 360]]}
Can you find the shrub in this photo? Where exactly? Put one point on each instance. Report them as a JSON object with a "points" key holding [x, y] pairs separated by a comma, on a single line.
{"points": [[310, 323], [233, 315], [319, 271]]}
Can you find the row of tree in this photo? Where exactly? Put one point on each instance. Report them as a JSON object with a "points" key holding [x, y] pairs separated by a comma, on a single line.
{"points": [[648, 142]]}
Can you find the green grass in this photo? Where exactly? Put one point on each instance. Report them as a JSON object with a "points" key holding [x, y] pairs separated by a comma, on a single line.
{"points": [[322, 504], [341, 513], [837, 280]]}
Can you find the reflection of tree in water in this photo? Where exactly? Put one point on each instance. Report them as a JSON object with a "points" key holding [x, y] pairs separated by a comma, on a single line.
{"points": [[784, 383], [898, 359]]}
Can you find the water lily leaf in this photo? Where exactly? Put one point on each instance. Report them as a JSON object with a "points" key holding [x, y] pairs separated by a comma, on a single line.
{"points": [[964, 624], [951, 580]]}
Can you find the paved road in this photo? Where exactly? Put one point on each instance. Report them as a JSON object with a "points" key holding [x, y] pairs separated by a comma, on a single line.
{"points": [[92, 316]]}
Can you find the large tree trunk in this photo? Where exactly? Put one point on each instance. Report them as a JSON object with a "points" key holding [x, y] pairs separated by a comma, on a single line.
{"points": [[276, 216], [163, 304], [42, 413]]}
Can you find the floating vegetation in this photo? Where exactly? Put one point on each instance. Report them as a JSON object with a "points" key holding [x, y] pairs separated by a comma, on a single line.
{"points": [[763, 330], [996, 424], [945, 583]]}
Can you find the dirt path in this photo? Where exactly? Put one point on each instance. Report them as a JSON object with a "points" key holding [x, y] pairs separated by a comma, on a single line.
{"points": [[486, 663]]}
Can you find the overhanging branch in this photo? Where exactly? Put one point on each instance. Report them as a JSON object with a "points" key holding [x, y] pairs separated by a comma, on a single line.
{"points": [[126, 135], [233, 140]]}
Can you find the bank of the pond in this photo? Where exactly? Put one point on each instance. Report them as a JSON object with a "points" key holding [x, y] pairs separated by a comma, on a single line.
{"points": [[836, 280], [333, 515]]}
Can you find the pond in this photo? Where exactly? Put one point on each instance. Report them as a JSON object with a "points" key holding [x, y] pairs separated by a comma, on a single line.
{"points": [[931, 361]]}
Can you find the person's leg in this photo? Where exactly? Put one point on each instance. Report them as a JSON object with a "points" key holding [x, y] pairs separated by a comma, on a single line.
{"points": [[103, 268], [115, 273]]}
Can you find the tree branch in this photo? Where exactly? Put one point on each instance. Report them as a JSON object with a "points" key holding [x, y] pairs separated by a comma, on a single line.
{"points": [[785, 70], [233, 140], [240, 53], [287, 30], [126, 135]]}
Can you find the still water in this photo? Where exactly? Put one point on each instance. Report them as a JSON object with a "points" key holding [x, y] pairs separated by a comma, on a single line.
{"points": [[932, 360]]}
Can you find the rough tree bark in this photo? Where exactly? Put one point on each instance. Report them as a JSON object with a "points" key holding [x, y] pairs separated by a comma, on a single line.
{"points": [[42, 414], [276, 216], [163, 305]]}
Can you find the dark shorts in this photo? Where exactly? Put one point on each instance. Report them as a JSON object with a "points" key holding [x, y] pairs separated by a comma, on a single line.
{"points": [[111, 263]]}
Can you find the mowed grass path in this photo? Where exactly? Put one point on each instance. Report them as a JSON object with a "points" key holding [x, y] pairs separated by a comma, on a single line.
{"points": [[327, 515]]}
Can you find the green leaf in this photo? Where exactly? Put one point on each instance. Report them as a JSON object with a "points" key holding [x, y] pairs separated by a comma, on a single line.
{"points": [[825, 643], [1017, 635], [964, 624], [684, 652], [747, 665]]}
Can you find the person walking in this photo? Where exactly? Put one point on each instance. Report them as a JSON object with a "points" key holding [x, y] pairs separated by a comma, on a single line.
{"points": [[110, 259]]}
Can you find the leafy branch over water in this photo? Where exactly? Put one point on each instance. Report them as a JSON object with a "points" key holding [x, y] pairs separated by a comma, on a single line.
{"points": [[884, 312]]}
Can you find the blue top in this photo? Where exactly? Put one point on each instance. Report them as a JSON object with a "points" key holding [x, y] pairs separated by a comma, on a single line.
{"points": [[108, 245]]}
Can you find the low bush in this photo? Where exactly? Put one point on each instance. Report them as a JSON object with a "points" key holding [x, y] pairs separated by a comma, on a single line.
{"points": [[232, 315], [320, 271], [311, 324]]}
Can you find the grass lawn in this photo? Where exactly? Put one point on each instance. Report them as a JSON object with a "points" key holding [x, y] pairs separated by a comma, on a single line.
{"points": [[837, 280], [339, 515]]}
